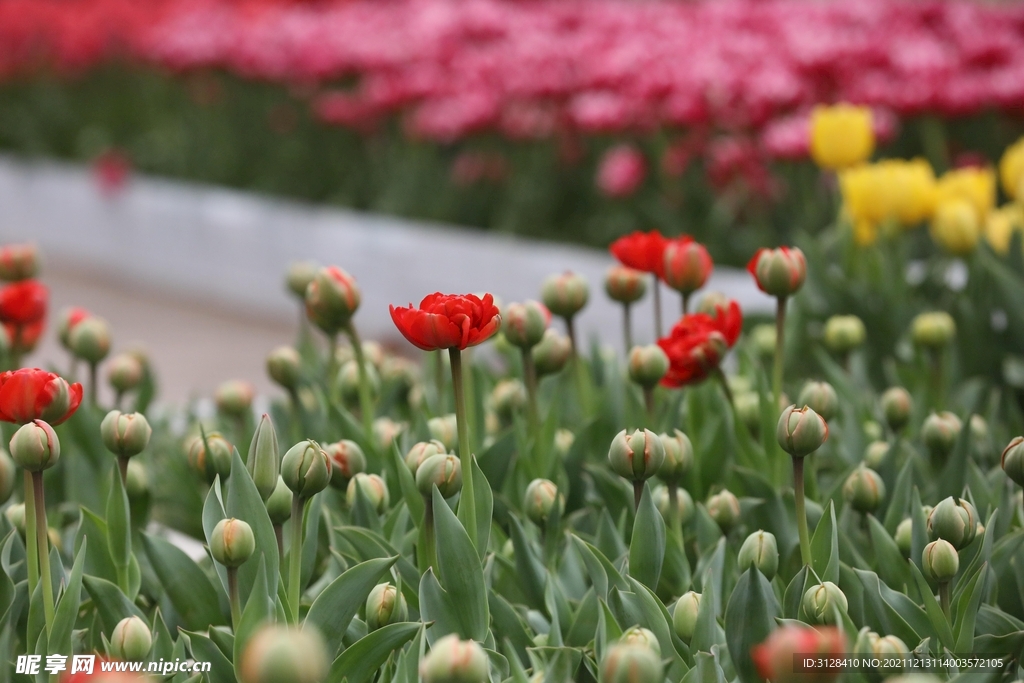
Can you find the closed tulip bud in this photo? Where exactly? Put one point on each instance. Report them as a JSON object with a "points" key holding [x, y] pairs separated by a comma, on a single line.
{"points": [[683, 499], [540, 499], [940, 561], [1012, 460], [212, 457], [386, 430], [980, 435], [844, 333], [956, 226], [279, 505], [452, 660], [66, 321], [285, 367], [89, 340], [348, 381], [284, 654], [565, 295], [801, 431], [374, 490], [763, 338], [686, 265], [299, 275], [35, 446], [347, 460], [821, 398], [136, 484], [940, 432], [875, 454], [625, 285], [15, 514], [18, 262], [864, 490], [775, 657], [953, 520], [385, 605], [306, 469], [264, 458], [872, 430], [124, 372], [724, 509], [647, 365], [332, 297], [904, 536], [761, 550], [631, 663], [232, 542], [552, 353], [125, 434], [933, 330], [564, 440], [523, 324], [637, 456], [642, 637], [421, 451], [821, 601], [897, 406], [234, 397], [678, 456], [443, 471], [131, 640], [684, 616], [508, 398], [8, 472], [748, 410], [779, 272], [444, 429]]}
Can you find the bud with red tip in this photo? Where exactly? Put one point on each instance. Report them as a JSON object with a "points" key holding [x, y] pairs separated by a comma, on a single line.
{"points": [[541, 497], [347, 460], [332, 297], [523, 324], [565, 295], [66, 322], [954, 520], [89, 340], [774, 658], [18, 262], [687, 265], [373, 488], [211, 457], [864, 490], [35, 446], [125, 434], [940, 432], [385, 605], [647, 365], [779, 272], [125, 372], [443, 471], [306, 469], [637, 456], [452, 660], [631, 663], [285, 367], [625, 285], [678, 456], [234, 397], [801, 431], [284, 654], [421, 451], [897, 406], [820, 397], [232, 542]]}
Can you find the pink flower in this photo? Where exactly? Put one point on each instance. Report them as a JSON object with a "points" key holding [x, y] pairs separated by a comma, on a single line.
{"points": [[621, 171]]}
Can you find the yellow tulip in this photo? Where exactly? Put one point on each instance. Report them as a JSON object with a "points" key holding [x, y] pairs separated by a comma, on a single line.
{"points": [[841, 136], [1011, 169], [1001, 224], [917, 192], [975, 185], [892, 190], [956, 226]]}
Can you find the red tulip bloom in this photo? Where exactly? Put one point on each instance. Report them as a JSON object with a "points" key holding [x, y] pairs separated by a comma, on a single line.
{"points": [[24, 338], [774, 658], [729, 319], [447, 321], [641, 251], [32, 394], [687, 264], [694, 347], [23, 303]]}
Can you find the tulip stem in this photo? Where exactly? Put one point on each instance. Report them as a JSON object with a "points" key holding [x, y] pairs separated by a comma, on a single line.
{"points": [[233, 598], [944, 600], [649, 402], [530, 379], [801, 513], [780, 333], [31, 548], [93, 384], [42, 542], [295, 558], [122, 465], [467, 501], [725, 388], [577, 365], [686, 303], [638, 493], [935, 378], [627, 327], [677, 514], [365, 401], [657, 306], [570, 329], [279, 534], [439, 380]]}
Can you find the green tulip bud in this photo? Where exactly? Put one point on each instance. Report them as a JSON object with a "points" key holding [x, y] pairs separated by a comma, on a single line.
{"points": [[125, 434], [15, 514], [373, 488], [872, 430], [663, 502], [940, 561], [629, 663], [234, 397], [897, 406], [284, 654], [748, 410], [35, 446], [90, 339], [801, 431], [136, 483], [642, 637], [385, 605], [279, 505], [444, 429], [8, 474], [724, 509], [306, 469], [933, 330], [821, 601], [678, 456], [844, 333], [763, 339], [821, 398], [508, 398], [551, 353], [443, 471], [421, 451], [779, 272], [625, 285], [124, 372], [452, 660], [875, 454], [565, 295], [347, 460], [540, 499], [1012, 460], [904, 536], [299, 275], [980, 436], [864, 490], [264, 459], [684, 616], [647, 365], [332, 297], [131, 640], [211, 458], [953, 520], [385, 431], [284, 365], [940, 432], [523, 324], [564, 440], [761, 550], [232, 542], [348, 381], [637, 456]]}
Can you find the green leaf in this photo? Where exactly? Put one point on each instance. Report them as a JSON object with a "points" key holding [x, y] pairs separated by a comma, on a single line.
{"points": [[825, 546], [244, 503], [889, 561], [67, 609], [189, 589], [333, 609], [111, 604], [360, 662], [213, 512], [707, 632], [119, 529], [484, 501], [411, 494], [258, 610], [794, 595], [647, 544], [749, 618], [436, 607], [967, 610], [205, 650], [459, 571], [931, 607], [900, 499], [529, 569], [508, 625], [919, 529]]}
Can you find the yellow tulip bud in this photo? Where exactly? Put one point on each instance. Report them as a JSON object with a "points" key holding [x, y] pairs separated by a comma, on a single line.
{"points": [[956, 226], [841, 135]]}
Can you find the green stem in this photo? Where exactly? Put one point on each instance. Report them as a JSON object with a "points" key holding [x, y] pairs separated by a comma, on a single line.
{"points": [[577, 367], [780, 333], [43, 544], [295, 558], [936, 379], [677, 515], [467, 501], [944, 600], [279, 534], [724, 383], [122, 466], [627, 327], [439, 380], [233, 598], [93, 384], [649, 403], [570, 329], [31, 548], [530, 379], [801, 514], [657, 306], [638, 493], [686, 303], [365, 401]]}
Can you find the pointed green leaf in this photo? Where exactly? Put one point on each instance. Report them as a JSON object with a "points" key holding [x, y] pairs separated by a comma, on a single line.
{"points": [[333, 609], [647, 544]]}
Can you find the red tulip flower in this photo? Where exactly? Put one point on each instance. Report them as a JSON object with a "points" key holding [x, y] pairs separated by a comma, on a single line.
{"points": [[23, 303], [32, 394], [24, 338], [641, 251], [687, 265], [774, 658], [694, 347], [729, 319], [448, 321]]}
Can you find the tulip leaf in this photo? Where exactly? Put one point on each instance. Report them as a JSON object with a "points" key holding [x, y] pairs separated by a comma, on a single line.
{"points": [[919, 529], [529, 569], [436, 608], [508, 625], [889, 561], [119, 531], [411, 495], [333, 609], [749, 618], [360, 662], [111, 604], [931, 607], [59, 640], [188, 587], [967, 610], [647, 544], [900, 499], [258, 610], [707, 632], [894, 613], [205, 650], [825, 546], [459, 571], [244, 503], [213, 512], [484, 502]]}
